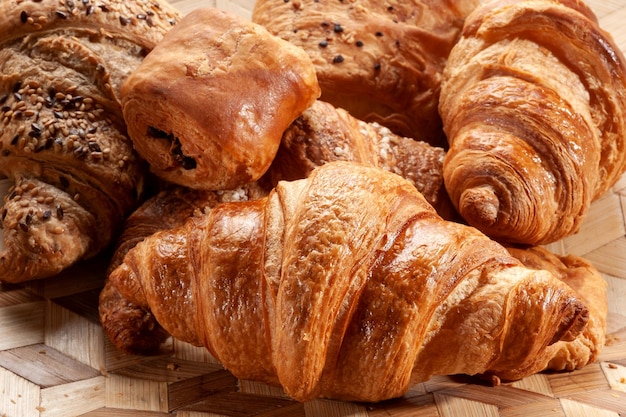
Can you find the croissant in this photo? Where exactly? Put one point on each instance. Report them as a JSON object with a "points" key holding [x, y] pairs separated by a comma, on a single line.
{"points": [[588, 283], [207, 107], [325, 133], [381, 61], [170, 207], [532, 102], [345, 285], [63, 142]]}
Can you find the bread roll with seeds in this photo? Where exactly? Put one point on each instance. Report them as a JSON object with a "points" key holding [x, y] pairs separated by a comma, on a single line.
{"points": [[208, 106], [63, 139], [381, 61]]}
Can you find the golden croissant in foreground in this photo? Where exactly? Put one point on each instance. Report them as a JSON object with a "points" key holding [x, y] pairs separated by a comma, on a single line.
{"points": [[533, 103], [344, 285]]}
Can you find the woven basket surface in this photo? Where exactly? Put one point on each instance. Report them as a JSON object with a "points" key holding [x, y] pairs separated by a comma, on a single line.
{"points": [[55, 360]]}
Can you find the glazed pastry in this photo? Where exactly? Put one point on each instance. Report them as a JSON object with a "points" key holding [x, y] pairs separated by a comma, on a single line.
{"points": [[381, 61], [207, 107], [171, 207], [324, 133], [336, 286], [533, 103], [587, 281], [63, 144]]}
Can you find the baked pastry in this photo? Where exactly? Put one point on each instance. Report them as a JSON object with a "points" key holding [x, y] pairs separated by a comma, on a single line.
{"points": [[346, 285], [533, 103], [207, 107], [589, 284], [63, 140], [324, 133], [170, 208], [381, 61]]}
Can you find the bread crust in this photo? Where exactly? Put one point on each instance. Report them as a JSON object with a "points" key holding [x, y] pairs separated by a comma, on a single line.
{"points": [[381, 61], [208, 105]]}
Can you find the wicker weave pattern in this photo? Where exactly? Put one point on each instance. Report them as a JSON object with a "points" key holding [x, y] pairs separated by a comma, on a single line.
{"points": [[55, 360]]}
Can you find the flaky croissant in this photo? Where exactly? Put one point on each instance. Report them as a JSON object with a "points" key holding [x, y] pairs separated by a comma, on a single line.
{"points": [[325, 133], [346, 284], [532, 102], [587, 281], [63, 140]]}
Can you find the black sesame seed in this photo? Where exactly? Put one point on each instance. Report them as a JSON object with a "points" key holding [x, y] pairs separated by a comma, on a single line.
{"points": [[23, 226], [377, 66], [337, 28], [338, 59], [24, 16], [58, 114], [359, 43], [3, 98], [61, 14], [17, 96], [124, 20], [4, 214], [36, 130], [40, 148], [17, 86], [59, 212], [379, 34], [94, 147], [15, 139], [28, 219], [323, 44], [46, 215]]}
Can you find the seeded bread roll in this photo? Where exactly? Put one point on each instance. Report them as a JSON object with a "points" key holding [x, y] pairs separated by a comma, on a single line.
{"points": [[208, 106], [63, 144], [381, 61]]}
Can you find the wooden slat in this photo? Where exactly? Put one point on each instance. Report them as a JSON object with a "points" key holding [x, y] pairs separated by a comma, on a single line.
{"points": [[452, 406], [58, 316], [21, 318], [45, 366]]}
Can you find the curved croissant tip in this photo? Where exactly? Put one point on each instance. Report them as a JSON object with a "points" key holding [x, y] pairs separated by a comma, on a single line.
{"points": [[479, 206]]}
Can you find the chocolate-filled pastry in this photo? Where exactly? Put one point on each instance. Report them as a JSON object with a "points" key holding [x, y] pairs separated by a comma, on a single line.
{"points": [[346, 284], [63, 142], [207, 107], [534, 106], [380, 60]]}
